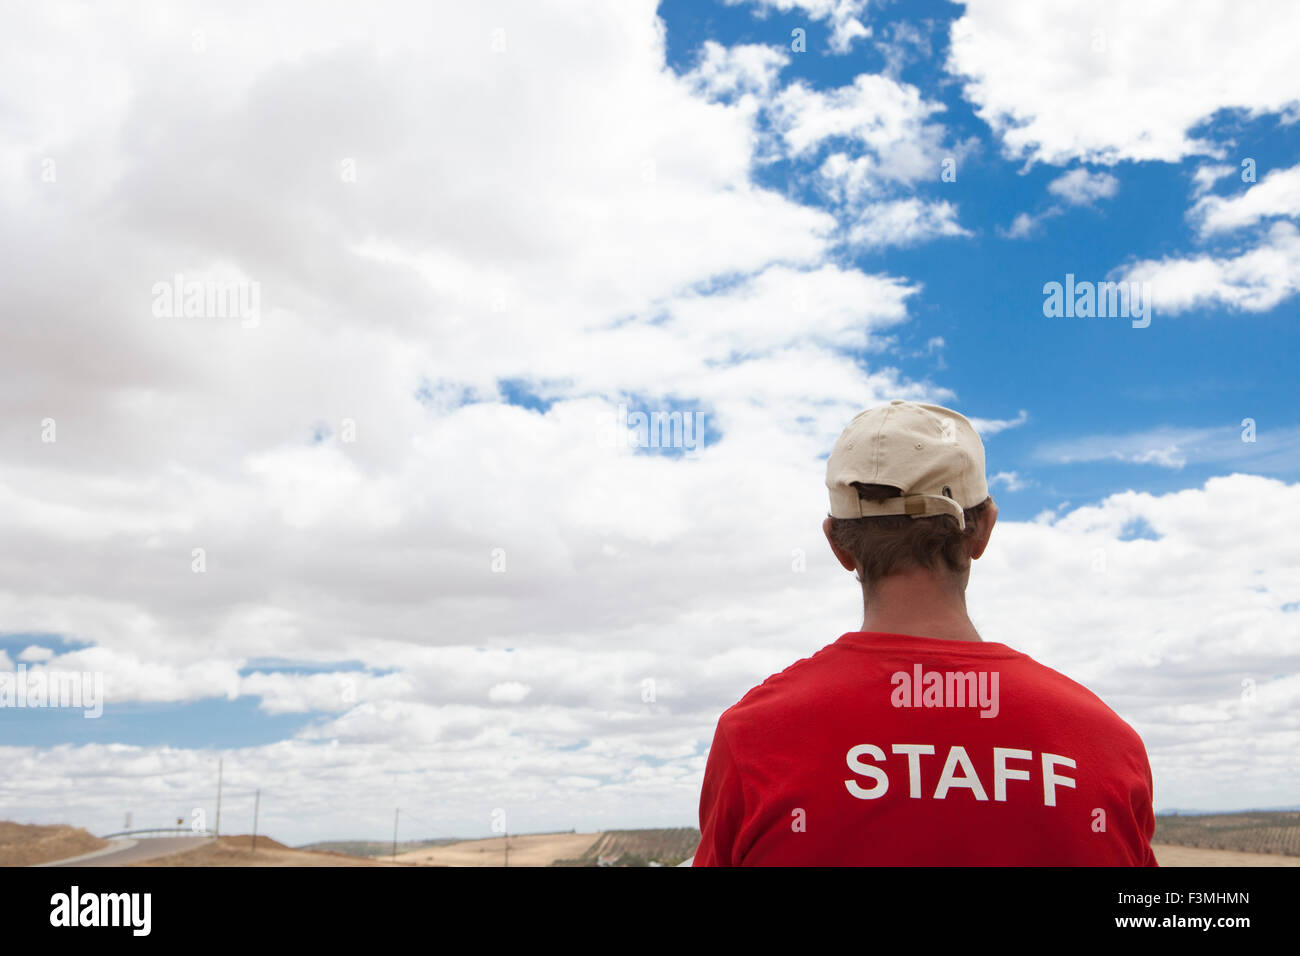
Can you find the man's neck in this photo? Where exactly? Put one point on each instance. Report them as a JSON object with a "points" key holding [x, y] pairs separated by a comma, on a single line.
{"points": [[921, 604]]}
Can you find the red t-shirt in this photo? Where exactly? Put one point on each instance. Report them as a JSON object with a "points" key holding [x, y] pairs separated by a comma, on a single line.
{"points": [[892, 750]]}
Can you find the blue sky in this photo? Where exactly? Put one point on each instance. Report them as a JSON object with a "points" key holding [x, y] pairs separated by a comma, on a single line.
{"points": [[1206, 368], [379, 540]]}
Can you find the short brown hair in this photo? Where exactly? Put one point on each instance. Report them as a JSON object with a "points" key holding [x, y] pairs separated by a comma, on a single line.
{"points": [[892, 543]]}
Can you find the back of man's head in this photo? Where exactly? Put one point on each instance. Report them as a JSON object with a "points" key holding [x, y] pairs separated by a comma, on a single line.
{"points": [[908, 491]]}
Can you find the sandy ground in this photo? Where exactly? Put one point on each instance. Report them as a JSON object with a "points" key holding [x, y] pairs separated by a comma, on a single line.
{"points": [[238, 851], [544, 849], [540, 849], [1167, 855], [25, 844]]}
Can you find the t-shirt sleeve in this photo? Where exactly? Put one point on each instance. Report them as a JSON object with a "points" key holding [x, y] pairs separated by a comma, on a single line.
{"points": [[721, 806]]}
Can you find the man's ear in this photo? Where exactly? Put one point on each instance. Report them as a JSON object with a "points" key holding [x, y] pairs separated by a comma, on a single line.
{"points": [[987, 520], [841, 555]]}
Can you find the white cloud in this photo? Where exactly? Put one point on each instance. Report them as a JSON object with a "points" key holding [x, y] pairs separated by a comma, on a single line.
{"points": [[1277, 194], [1161, 447], [1111, 81], [902, 222], [565, 214], [1174, 671], [1079, 187], [623, 256], [887, 118], [1022, 226], [508, 692], [903, 43], [1254, 281], [1011, 480], [991, 426], [850, 180], [1233, 446], [1205, 177], [1026, 225], [845, 16], [883, 148], [742, 69]]}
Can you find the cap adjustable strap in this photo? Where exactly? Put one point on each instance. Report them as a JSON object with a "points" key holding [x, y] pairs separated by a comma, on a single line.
{"points": [[915, 506]]}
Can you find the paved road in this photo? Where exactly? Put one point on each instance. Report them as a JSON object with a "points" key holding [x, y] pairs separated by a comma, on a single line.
{"points": [[135, 850]]}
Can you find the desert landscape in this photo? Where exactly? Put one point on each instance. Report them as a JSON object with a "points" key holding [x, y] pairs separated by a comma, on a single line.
{"points": [[239, 851], [28, 845], [1229, 840]]}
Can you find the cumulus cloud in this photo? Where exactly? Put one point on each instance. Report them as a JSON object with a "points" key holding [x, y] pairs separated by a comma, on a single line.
{"points": [[1112, 81], [888, 118], [1026, 224], [1080, 187], [843, 16], [736, 70], [1255, 280], [1011, 480], [1204, 178], [902, 43], [1022, 226], [991, 426], [412, 460], [408, 478], [508, 692], [1277, 194], [881, 148], [616, 735], [903, 222]]}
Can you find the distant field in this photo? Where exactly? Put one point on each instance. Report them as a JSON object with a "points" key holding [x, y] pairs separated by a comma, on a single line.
{"points": [[570, 849], [533, 849], [639, 847], [1223, 839], [668, 847], [1273, 832], [238, 851], [1191, 856], [375, 848]]}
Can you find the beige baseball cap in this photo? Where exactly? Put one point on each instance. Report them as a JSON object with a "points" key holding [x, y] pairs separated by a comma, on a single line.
{"points": [[930, 453]]}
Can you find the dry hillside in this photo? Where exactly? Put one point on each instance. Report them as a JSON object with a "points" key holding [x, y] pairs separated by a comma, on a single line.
{"points": [[24, 844], [238, 851]]}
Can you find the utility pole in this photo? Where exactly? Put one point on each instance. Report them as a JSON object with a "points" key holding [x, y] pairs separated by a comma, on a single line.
{"points": [[395, 813], [507, 841], [219, 762], [257, 800]]}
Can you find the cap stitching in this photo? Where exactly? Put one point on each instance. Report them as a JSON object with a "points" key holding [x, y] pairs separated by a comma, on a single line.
{"points": [[875, 442]]}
